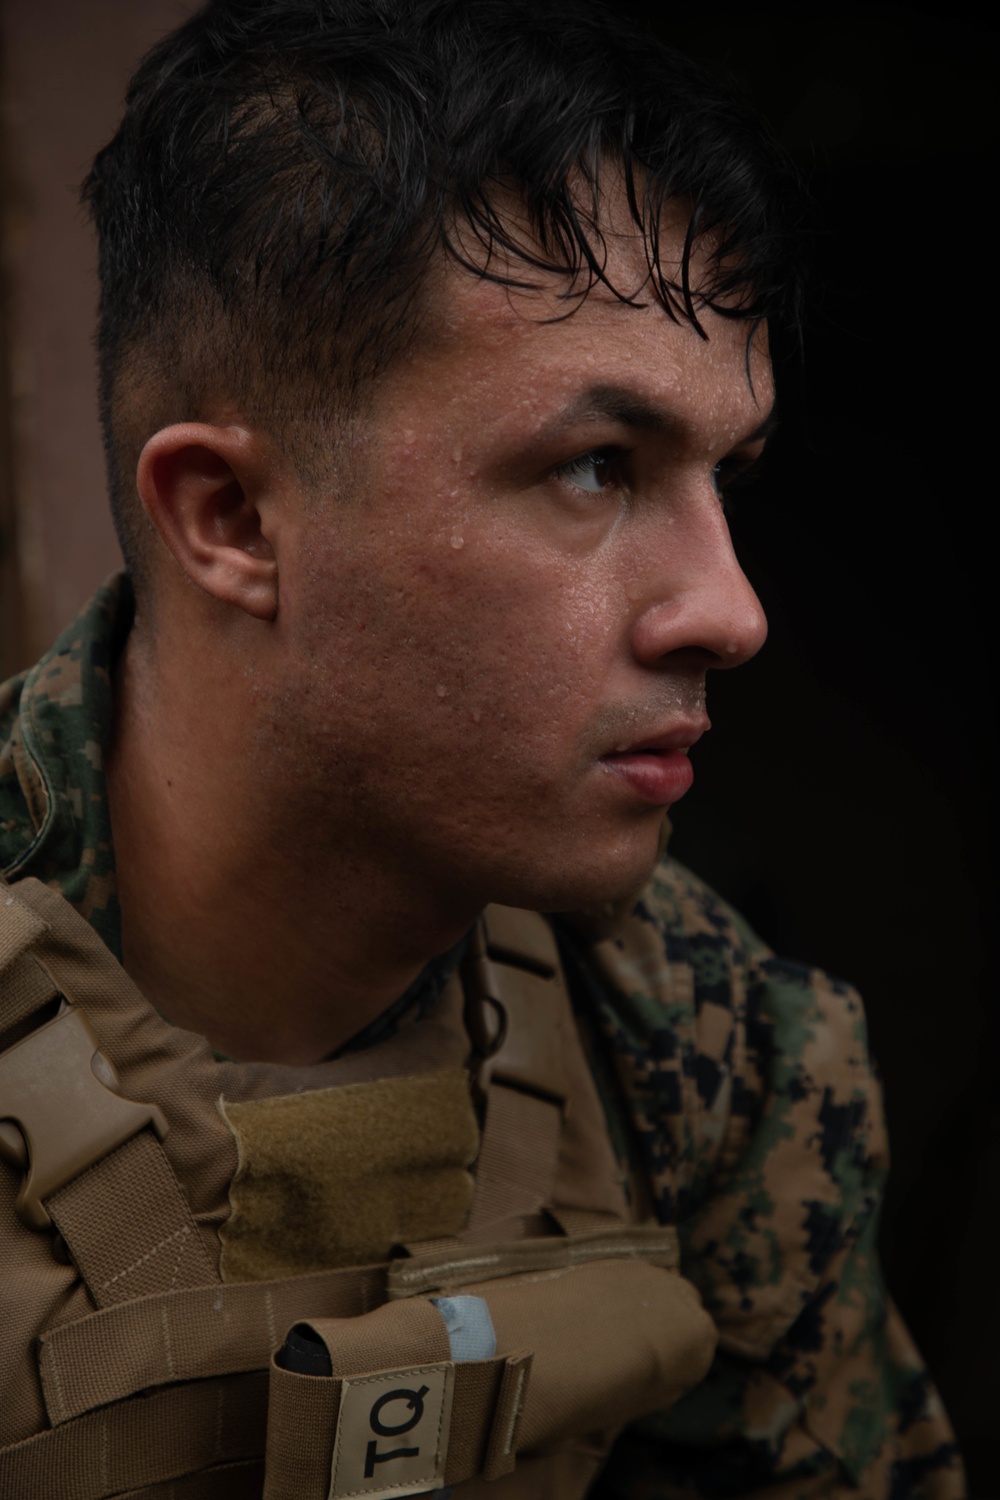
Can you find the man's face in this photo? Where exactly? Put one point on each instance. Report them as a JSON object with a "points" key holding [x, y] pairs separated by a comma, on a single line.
{"points": [[498, 640]]}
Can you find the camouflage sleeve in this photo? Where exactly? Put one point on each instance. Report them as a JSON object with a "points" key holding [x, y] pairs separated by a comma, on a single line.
{"points": [[757, 1113]]}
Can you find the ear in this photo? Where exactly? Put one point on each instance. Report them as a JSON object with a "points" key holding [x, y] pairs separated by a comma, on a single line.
{"points": [[210, 493]]}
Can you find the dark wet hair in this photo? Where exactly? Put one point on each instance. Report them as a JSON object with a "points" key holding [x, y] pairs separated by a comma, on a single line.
{"points": [[287, 170]]}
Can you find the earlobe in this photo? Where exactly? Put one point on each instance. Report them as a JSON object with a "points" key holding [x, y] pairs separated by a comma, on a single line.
{"points": [[206, 491]]}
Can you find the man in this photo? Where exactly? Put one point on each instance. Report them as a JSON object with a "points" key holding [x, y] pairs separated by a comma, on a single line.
{"points": [[432, 336]]}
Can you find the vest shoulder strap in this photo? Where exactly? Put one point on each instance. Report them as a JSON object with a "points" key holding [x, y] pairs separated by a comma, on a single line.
{"points": [[545, 1140], [93, 1167]]}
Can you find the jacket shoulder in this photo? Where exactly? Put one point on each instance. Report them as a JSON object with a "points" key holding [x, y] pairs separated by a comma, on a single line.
{"points": [[22, 801], [749, 1084]]}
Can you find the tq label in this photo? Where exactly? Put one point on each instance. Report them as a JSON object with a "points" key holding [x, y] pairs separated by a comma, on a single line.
{"points": [[392, 1433]]}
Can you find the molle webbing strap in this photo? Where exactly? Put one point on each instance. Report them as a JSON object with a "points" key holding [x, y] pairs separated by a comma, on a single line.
{"points": [[128, 1226], [517, 1162], [239, 1481], [449, 1270], [92, 1163], [517, 1014], [136, 1447], [20, 928], [25, 987], [188, 1335]]}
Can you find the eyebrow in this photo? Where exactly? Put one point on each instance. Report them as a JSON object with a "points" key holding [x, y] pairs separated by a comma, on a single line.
{"points": [[617, 403]]}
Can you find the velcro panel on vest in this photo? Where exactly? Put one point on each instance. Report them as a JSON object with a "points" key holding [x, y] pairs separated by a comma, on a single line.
{"points": [[384, 1424], [336, 1177]]}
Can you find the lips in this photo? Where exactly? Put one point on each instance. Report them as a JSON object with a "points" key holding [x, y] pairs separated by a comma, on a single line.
{"points": [[661, 742], [656, 769]]}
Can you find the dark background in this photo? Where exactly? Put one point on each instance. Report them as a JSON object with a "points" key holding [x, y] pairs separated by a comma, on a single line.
{"points": [[845, 798]]}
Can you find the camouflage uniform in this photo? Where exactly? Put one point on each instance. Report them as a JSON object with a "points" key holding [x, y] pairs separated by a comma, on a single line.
{"points": [[740, 1099]]}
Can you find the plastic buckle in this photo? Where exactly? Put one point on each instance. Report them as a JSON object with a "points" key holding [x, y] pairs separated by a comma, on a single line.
{"points": [[61, 1092]]}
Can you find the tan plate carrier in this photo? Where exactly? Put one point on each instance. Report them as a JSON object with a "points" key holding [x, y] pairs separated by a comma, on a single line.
{"points": [[156, 1375]]}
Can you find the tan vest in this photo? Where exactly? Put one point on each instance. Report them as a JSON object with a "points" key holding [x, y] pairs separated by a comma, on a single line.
{"points": [[166, 1218]]}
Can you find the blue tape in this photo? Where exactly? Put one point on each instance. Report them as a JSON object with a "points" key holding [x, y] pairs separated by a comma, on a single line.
{"points": [[469, 1325]]}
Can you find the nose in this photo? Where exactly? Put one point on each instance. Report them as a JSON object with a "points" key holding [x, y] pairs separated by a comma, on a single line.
{"points": [[697, 598]]}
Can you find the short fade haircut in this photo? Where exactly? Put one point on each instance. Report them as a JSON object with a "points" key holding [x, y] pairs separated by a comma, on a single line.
{"points": [[287, 171]]}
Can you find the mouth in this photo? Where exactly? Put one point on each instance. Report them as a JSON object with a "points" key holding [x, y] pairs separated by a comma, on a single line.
{"points": [[656, 769]]}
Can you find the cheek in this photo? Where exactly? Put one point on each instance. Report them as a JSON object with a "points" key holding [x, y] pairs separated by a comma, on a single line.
{"points": [[511, 647], [473, 639], [461, 634]]}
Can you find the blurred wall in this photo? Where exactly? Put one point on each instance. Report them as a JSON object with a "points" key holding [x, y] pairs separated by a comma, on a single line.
{"points": [[65, 67]]}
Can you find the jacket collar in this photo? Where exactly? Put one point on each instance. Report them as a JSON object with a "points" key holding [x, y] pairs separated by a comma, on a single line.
{"points": [[55, 728]]}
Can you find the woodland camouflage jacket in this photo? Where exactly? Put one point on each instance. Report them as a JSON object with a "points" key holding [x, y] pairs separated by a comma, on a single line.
{"points": [[740, 1099]]}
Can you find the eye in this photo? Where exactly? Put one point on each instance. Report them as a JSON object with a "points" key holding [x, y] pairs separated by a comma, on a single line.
{"points": [[730, 477], [592, 472], [719, 479]]}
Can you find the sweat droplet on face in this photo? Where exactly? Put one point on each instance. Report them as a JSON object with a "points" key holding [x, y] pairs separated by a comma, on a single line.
{"points": [[441, 690], [457, 541]]}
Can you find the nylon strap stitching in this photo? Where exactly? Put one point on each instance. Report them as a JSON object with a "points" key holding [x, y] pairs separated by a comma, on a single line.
{"points": [[167, 1343], [54, 1367], [181, 1233]]}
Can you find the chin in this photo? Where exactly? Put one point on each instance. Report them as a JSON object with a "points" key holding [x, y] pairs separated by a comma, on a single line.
{"points": [[583, 881]]}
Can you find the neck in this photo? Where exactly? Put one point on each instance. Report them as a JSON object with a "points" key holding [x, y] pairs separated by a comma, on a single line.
{"points": [[238, 922]]}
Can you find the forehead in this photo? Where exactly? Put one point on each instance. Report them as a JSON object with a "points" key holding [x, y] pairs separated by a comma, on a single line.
{"points": [[490, 353]]}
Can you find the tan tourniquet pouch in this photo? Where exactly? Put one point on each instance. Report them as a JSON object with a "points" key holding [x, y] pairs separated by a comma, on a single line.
{"points": [[591, 1332]]}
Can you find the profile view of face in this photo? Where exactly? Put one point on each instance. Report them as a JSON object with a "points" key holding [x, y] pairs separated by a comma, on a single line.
{"points": [[499, 641]]}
